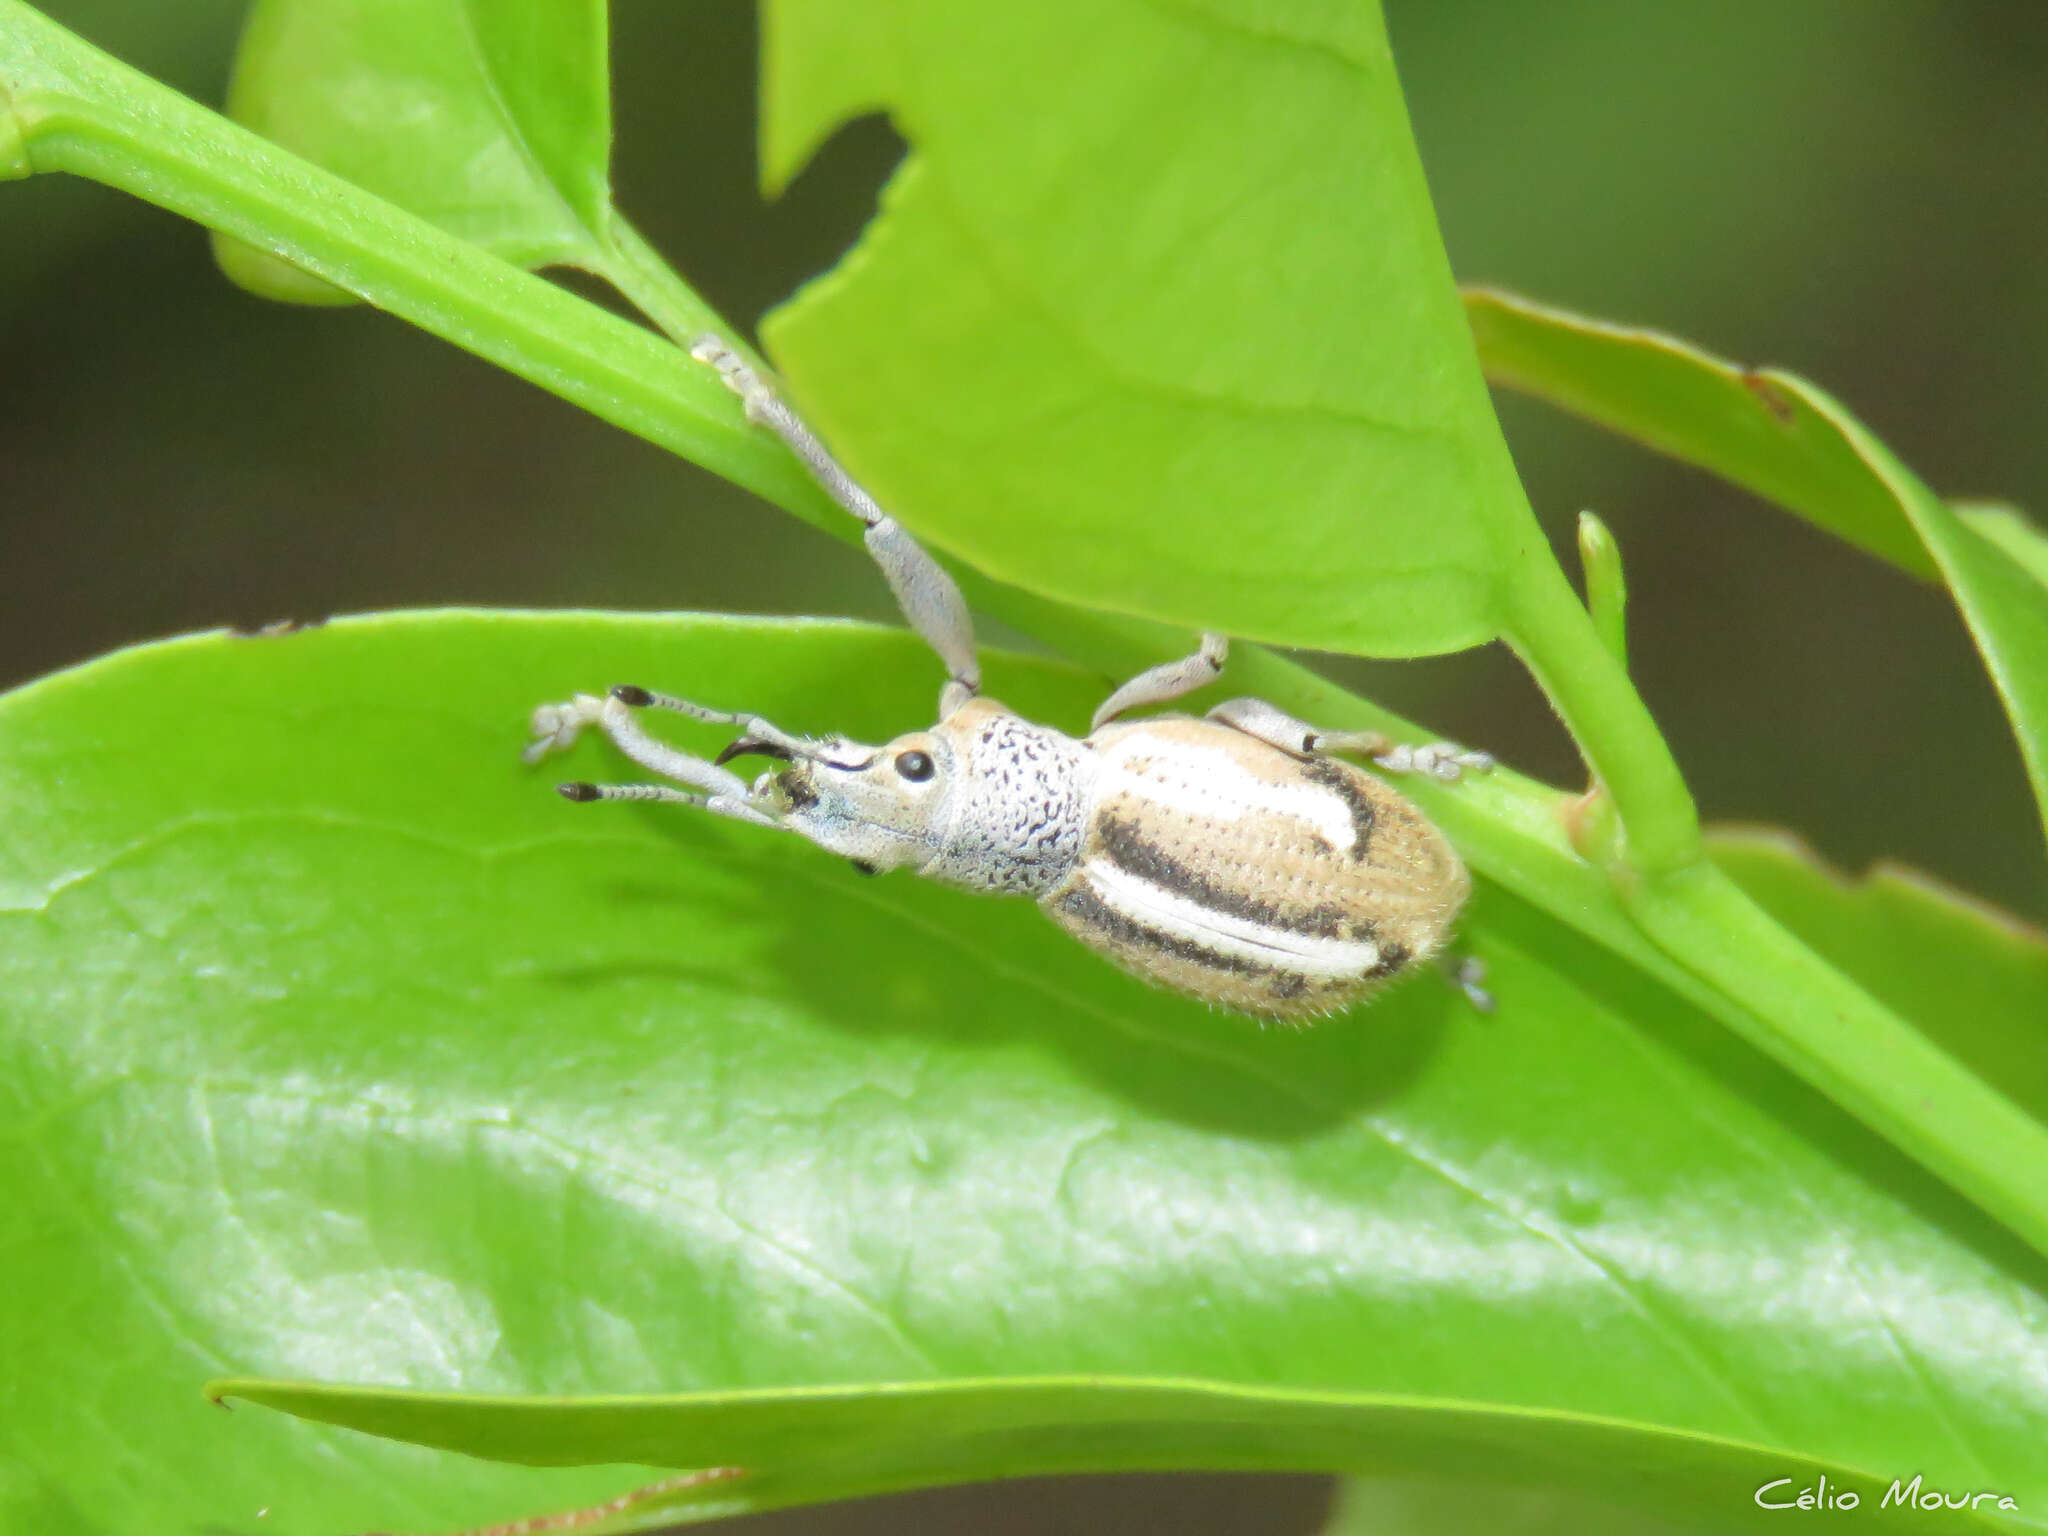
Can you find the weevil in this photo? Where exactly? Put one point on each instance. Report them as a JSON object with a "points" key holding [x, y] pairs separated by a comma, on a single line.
{"points": [[1235, 858]]}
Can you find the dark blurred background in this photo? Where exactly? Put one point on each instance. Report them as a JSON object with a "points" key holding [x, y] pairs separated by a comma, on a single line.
{"points": [[1855, 189]]}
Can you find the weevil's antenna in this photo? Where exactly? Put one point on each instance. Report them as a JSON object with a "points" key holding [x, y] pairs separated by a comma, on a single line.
{"points": [[739, 807], [929, 598], [583, 794]]}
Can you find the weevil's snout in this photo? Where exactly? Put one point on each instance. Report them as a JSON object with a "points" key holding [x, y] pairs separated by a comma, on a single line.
{"points": [[882, 807]]}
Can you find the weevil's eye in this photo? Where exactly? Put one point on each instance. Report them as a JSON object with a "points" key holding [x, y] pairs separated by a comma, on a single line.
{"points": [[914, 765]]}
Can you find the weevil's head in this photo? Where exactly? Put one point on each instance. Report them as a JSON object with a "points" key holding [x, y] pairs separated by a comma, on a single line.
{"points": [[882, 807]]}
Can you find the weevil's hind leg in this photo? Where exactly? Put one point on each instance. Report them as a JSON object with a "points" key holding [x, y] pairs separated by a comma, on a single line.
{"points": [[1255, 717], [927, 595], [556, 727], [1168, 681], [1468, 974]]}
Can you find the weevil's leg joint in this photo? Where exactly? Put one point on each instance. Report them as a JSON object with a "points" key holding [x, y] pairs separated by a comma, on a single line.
{"points": [[957, 691], [1275, 727], [1255, 717], [1167, 681], [929, 598]]}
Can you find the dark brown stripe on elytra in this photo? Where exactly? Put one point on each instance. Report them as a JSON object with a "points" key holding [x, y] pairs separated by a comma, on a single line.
{"points": [[1127, 847], [1337, 778], [1082, 904], [1392, 958]]}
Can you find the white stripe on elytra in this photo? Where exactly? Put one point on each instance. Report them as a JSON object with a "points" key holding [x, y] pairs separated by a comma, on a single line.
{"points": [[1220, 932], [1213, 783]]}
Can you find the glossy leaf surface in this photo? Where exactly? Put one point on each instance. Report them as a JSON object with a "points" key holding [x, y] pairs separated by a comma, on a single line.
{"points": [[1155, 317], [1974, 978], [337, 1047]]}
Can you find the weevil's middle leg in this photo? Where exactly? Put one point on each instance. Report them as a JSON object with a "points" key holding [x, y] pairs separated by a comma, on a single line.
{"points": [[1168, 681], [927, 595], [1255, 717]]}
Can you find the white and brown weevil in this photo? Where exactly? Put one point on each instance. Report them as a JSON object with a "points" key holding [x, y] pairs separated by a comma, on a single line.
{"points": [[1231, 858]]}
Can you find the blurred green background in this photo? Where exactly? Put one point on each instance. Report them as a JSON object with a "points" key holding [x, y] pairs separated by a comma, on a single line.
{"points": [[1854, 189]]}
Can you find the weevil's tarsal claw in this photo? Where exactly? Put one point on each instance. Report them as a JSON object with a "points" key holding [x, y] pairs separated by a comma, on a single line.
{"points": [[1444, 760], [556, 726]]}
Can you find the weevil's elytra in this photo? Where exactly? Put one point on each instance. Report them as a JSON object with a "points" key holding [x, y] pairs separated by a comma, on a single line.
{"points": [[1221, 866], [1229, 858]]}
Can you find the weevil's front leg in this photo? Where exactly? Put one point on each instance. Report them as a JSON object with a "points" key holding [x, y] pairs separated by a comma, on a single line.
{"points": [[1255, 717], [927, 595], [556, 727], [1167, 681]]}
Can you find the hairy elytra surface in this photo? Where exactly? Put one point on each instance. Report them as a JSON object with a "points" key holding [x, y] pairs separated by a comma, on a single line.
{"points": [[1217, 865]]}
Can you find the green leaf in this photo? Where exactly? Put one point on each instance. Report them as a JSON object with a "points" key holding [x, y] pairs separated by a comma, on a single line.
{"points": [[14, 161], [1787, 440], [913, 1435], [334, 1046], [2012, 531], [492, 118], [82, 112], [1156, 317], [1970, 976], [1696, 407]]}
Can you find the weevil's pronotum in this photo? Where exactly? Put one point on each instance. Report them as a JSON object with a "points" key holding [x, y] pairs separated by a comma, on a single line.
{"points": [[1232, 858]]}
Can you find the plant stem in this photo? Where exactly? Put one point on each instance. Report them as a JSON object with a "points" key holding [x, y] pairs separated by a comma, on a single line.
{"points": [[1794, 1007], [75, 109], [653, 287], [1837, 1038], [1590, 689]]}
